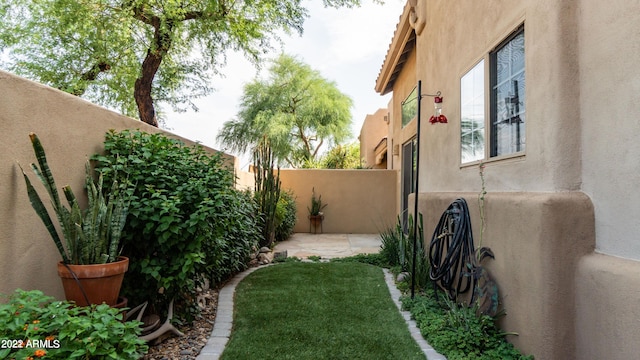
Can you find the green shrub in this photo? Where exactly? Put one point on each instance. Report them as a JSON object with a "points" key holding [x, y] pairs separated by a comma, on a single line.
{"points": [[232, 236], [59, 330], [186, 220], [286, 215]]}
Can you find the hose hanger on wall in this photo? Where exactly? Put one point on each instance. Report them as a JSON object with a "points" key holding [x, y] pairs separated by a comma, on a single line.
{"points": [[455, 264]]}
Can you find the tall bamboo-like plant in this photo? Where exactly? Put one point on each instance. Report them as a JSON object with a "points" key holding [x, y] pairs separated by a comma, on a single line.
{"points": [[92, 236], [267, 190]]}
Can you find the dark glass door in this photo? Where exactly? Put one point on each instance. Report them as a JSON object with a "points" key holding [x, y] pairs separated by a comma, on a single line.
{"points": [[409, 172]]}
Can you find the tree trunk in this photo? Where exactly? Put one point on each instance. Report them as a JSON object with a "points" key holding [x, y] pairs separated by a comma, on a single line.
{"points": [[142, 89]]}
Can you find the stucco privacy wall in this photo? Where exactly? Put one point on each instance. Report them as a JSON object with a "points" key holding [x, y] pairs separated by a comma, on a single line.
{"points": [[71, 130], [358, 201]]}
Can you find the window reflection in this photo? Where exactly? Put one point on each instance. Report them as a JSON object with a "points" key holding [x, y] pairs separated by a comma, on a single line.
{"points": [[472, 114]]}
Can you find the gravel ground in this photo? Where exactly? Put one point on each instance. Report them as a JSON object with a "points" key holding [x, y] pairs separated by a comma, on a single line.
{"points": [[196, 336]]}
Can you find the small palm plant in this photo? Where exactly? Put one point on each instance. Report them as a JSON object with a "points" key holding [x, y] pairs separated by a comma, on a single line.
{"points": [[92, 236]]}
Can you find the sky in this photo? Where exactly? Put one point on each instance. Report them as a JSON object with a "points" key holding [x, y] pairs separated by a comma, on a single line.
{"points": [[347, 46]]}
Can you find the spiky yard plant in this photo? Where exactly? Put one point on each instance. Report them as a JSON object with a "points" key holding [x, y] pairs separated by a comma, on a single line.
{"points": [[92, 236], [397, 248], [316, 204]]}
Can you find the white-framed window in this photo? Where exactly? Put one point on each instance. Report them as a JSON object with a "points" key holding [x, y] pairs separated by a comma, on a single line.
{"points": [[502, 132]]}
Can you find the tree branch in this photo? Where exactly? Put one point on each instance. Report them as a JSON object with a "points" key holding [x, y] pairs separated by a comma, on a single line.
{"points": [[315, 152], [90, 75]]}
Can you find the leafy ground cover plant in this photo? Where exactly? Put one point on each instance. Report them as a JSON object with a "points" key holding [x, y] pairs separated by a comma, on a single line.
{"points": [[186, 219], [36, 326], [459, 332]]}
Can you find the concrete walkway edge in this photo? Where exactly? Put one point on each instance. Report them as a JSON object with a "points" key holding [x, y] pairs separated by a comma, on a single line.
{"points": [[428, 351], [223, 323]]}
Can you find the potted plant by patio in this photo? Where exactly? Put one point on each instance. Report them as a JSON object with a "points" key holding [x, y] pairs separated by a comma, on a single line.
{"points": [[91, 268], [315, 212]]}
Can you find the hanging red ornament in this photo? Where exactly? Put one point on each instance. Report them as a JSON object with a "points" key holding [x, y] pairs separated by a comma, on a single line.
{"points": [[437, 114]]}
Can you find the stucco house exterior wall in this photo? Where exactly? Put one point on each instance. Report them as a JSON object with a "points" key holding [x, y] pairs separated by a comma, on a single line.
{"points": [[609, 107], [560, 212], [374, 147]]}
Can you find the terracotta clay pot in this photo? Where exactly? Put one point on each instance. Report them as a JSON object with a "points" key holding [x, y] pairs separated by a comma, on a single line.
{"points": [[100, 282]]}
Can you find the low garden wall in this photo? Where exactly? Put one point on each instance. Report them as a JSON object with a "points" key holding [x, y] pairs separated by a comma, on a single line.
{"points": [[358, 201]]}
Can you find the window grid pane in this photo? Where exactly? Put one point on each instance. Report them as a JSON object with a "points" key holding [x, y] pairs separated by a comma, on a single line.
{"points": [[507, 97]]}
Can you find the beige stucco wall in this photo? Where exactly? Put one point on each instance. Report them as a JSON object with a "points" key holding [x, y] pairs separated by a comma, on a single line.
{"points": [[455, 38], [71, 130], [358, 201], [373, 130], [573, 189], [244, 180]]}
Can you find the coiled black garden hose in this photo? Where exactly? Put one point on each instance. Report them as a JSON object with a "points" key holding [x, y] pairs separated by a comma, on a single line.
{"points": [[451, 251]]}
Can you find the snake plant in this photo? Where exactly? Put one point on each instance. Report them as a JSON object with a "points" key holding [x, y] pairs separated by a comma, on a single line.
{"points": [[92, 235]]}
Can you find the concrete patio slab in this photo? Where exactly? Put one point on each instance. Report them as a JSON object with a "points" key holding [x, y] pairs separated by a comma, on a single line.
{"points": [[327, 246]]}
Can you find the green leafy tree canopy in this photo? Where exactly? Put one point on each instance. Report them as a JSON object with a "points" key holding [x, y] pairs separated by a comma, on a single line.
{"points": [[295, 108], [341, 156], [132, 54]]}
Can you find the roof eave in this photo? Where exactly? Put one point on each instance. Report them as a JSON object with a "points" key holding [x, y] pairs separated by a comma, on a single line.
{"points": [[402, 43]]}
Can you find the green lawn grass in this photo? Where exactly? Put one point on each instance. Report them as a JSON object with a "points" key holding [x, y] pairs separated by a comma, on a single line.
{"points": [[318, 311]]}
